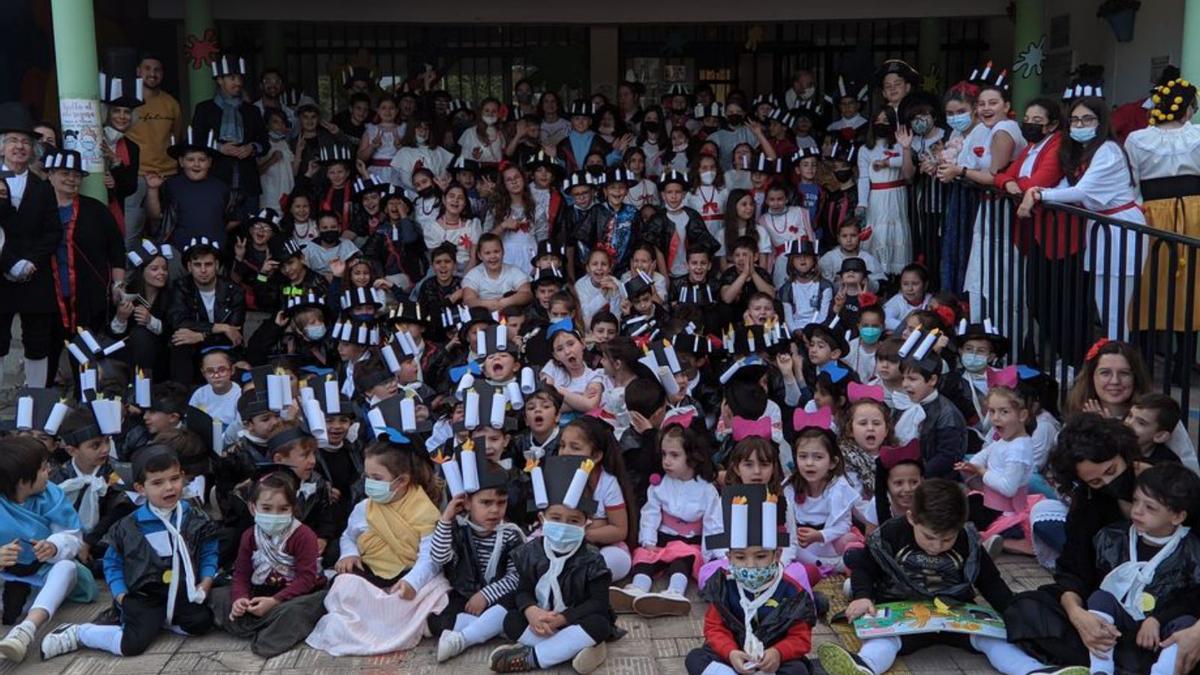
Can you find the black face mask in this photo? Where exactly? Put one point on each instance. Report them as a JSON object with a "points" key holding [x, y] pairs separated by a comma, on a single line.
{"points": [[1032, 132], [651, 127], [427, 192], [735, 120], [882, 130], [329, 236], [843, 175], [711, 130], [1120, 487]]}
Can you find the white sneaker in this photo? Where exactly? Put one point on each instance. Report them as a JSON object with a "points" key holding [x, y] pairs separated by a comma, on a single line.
{"points": [[16, 643], [621, 599], [590, 658], [62, 640], [450, 645], [666, 603], [846, 589]]}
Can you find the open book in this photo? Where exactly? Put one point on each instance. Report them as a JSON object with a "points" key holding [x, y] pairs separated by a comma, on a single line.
{"points": [[909, 618]]}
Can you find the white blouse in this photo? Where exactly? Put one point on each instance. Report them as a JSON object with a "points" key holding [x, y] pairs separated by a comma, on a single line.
{"points": [[830, 512], [689, 501], [976, 152], [1155, 152]]}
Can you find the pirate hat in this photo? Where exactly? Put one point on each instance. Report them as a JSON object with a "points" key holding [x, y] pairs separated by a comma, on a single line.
{"points": [[193, 140], [121, 92], [227, 64], [40, 410], [64, 160], [750, 515], [897, 67]]}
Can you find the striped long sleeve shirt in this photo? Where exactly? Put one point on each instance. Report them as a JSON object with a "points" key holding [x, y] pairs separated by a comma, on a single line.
{"points": [[441, 553]]}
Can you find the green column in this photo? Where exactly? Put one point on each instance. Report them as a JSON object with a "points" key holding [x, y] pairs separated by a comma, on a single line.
{"points": [[197, 22], [79, 85], [929, 45], [1029, 39], [1189, 60]]}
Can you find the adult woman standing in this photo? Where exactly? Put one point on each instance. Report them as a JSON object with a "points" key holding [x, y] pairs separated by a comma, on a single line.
{"points": [[1099, 180], [1165, 159]]}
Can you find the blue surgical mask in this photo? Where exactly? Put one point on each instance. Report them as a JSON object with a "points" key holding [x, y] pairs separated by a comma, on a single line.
{"points": [[1083, 134], [960, 122], [920, 126], [314, 332], [378, 491], [273, 523], [562, 537], [870, 334], [754, 578], [974, 363]]}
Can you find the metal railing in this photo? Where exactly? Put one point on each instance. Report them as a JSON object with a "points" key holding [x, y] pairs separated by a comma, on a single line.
{"points": [[1063, 278]]}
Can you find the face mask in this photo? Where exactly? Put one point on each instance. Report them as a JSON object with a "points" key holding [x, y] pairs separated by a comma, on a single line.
{"points": [[974, 363], [277, 135], [1083, 134], [735, 120], [378, 491], [273, 523], [843, 175], [707, 177], [329, 236], [314, 332], [490, 120], [562, 537], [920, 126], [754, 578], [1120, 487], [421, 139], [870, 334], [1032, 132], [882, 130], [959, 122]]}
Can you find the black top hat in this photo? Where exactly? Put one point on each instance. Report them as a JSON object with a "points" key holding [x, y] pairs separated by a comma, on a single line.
{"points": [[803, 246], [691, 293], [917, 352], [361, 295], [106, 421], [751, 339], [121, 92], [541, 159], [227, 64], [805, 152], [408, 311], [676, 176], [559, 472], [830, 332], [547, 275], [266, 215], [357, 332], [782, 116], [639, 283], [548, 247], [299, 299], [15, 119], [748, 522], [853, 264], [64, 160], [847, 151], [983, 331], [40, 410], [990, 76], [581, 108], [210, 429], [578, 179], [369, 184], [760, 164], [619, 174], [284, 249], [770, 99], [193, 140], [897, 67], [334, 153]]}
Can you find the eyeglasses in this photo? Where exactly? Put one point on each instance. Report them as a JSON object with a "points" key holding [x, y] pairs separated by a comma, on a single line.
{"points": [[219, 370], [1085, 121]]}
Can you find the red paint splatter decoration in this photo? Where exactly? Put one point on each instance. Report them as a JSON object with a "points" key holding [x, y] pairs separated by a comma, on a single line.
{"points": [[202, 50]]}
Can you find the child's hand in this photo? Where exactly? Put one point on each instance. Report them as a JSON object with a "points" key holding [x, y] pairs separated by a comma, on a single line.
{"points": [[85, 553], [321, 544], [860, 607], [941, 343], [476, 604], [807, 536], [738, 659], [347, 564], [452, 508], [1147, 636], [770, 661], [1093, 406], [44, 550], [638, 422], [539, 620], [239, 607], [261, 605], [404, 590], [9, 553], [966, 468]]}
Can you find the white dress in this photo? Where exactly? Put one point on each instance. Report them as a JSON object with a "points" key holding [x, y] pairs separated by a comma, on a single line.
{"points": [[781, 228], [645, 192], [465, 236], [830, 512], [709, 202], [686, 500], [990, 229], [520, 245], [408, 160], [380, 164], [887, 207]]}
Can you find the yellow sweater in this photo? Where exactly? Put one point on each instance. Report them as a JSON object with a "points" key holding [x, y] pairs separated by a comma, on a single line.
{"points": [[154, 123]]}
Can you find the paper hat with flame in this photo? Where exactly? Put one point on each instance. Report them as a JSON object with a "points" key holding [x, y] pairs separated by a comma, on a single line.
{"points": [[917, 351], [562, 479], [750, 514], [40, 410], [468, 470]]}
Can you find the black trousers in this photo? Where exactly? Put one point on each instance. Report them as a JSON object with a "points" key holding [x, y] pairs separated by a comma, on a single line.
{"points": [[36, 333], [143, 613]]}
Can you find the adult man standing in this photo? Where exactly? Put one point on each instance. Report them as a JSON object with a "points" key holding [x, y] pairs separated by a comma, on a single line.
{"points": [[240, 132], [156, 121], [31, 239], [271, 88]]}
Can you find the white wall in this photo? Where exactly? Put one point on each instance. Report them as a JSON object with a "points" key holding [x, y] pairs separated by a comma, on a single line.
{"points": [[1157, 32]]}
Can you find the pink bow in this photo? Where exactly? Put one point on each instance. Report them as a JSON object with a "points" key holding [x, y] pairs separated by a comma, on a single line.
{"points": [[858, 392], [891, 455], [1002, 377], [822, 419], [682, 417], [744, 428]]}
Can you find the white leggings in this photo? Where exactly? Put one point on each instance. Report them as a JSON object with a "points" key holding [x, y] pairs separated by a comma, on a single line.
{"points": [[880, 653], [618, 560], [60, 581]]}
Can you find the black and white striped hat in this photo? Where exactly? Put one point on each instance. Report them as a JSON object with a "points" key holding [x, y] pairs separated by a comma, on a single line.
{"points": [[146, 251], [713, 109], [782, 116], [64, 160], [267, 215], [578, 179], [364, 296], [639, 282], [369, 184], [806, 152], [770, 99], [847, 151], [696, 294], [760, 164], [193, 139], [677, 176], [122, 92], [199, 244], [334, 153], [226, 64], [581, 108], [287, 249]]}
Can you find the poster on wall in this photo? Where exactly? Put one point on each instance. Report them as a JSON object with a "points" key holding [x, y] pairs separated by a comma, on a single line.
{"points": [[81, 130]]}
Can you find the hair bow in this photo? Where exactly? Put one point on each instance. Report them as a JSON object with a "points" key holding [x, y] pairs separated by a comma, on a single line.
{"points": [[558, 326], [867, 299], [836, 371], [858, 392], [681, 416], [946, 314], [891, 455], [457, 372], [1094, 351], [743, 428], [1027, 373], [822, 418], [1002, 377]]}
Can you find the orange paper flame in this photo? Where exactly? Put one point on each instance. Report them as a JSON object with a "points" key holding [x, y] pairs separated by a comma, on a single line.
{"points": [[530, 465], [740, 500], [586, 465]]}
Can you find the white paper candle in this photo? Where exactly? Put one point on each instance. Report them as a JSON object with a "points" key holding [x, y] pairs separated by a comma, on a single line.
{"points": [[87, 382], [315, 417], [108, 416], [750, 339], [408, 414], [114, 347], [389, 358], [528, 381], [481, 343], [672, 359], [276, 385], [333, 402], [76, 353], [471, 410], [378, 425], [141, 390], [218, 434], [307, 394], [57, 413], [470, 469], [513, 391], [575, 489], [540, 499], [25, 413], [499, 402], [501, 338], [738, 515], [90, 341], [769, 527], [909, 343], [454, 479]]}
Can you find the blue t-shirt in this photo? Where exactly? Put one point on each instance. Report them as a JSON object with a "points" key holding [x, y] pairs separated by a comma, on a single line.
{"points": [[200, 207]]}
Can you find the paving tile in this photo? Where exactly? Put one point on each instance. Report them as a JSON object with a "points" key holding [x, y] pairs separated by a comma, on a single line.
{"points": [[104, 664], [215, 662], [216, 641]]}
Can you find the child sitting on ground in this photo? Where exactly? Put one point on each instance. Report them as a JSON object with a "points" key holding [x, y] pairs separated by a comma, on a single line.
{"points": [[933, 420], [1153, 418]]}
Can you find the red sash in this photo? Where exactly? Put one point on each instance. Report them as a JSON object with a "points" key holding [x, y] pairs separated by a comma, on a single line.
{"points": [[68, 315], [327, 204], [115, 205]]}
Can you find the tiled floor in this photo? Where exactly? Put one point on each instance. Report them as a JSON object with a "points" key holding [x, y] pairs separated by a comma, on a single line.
{"points": [[654, 647]]}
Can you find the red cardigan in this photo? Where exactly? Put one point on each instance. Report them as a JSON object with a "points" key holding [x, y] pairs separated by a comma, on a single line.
{"points": [[302, 546], [1067, 232], [796, 644]]}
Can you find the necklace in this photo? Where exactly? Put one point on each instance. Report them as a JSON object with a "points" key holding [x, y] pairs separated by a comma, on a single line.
{"points": [[771, 220], [425, 211]]}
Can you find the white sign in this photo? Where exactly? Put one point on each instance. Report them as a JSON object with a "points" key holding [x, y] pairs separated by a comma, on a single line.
{"points": [[81, 130]]}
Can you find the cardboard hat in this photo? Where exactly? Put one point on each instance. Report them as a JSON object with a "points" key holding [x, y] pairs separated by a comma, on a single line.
{"points": [[400, 349], [226, 64], [363, 185], [106, 421], [562, 479], [285, 248], [15, 118], [210, 429], [298, 299], [619, 174], [461, 163], [846, 151], [674, 176], [64, 160], [288, 434], [145, 251], [540, 159], [897, 67], [121, 92], [750, 517], [455, 105], [394, 419], [194, 139], [854, 264], [547, 247], [408, 311], [328, 393], [743, 340], [334, 153], [804, 153], [201, 244], [40, 409], [361, 296], [455, 318], [356, 331], [252, 403], [713, 109], [266, 215], [696, 294], [802, 246], [679, 89], [747, 368], [492, 407], [782, 116], [917, 351], [547, 275], [770, 99], [581, 108], [989, 76], [352, 74], [642, 327], [639, 283], [983, 331], [692, 343], [831, 331], [468, 470], [86, 347], [760, 164], [495, 340], [576, 179], [849, 89], [659, 358]]}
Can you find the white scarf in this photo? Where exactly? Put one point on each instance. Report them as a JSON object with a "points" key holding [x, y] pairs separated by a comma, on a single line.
{"points": [[493, 564], [1127, 581], [180, 557], [269, 557], [538, 451], [93, 487], [549, 594], [750, 606], [908, 426]]}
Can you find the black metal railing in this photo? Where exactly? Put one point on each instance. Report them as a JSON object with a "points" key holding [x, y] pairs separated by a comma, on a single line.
{"points": [[1063, 278]]}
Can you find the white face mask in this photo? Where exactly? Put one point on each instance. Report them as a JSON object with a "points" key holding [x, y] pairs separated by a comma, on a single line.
{"points": [[490, 120], [707, 177], [421, 138]]}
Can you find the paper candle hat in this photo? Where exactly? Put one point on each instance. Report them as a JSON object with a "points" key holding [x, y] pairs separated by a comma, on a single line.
{"points": [[209, 428], [393, 419], [284, 436], [782, 116], [408, 312], [286, 249], [395, 353], [468, 470], [676, 177], [771, 337], [193, 140], [713, 109], [145, 251], [68, 160], [581, 108], [578, 179], [564, 479], [541, 160], [696, 294], [619, 174], [846, 151], [989, 76], [692, 343], [353, 74], [639, 283], [300, 300], [660, 358], [848, 89], [485, 405], [333, 154], [227, 64], [748, 368], [85, 347], [197, 245], [495, 340], [360, 296], [803, 246], [268, 216], [356, 331], [327, 392], [40, 410], [917, 351], [122, 92], [368, 184], [106, 421], [983, 331], [750, 516], [547, 275], [547, 247]]}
